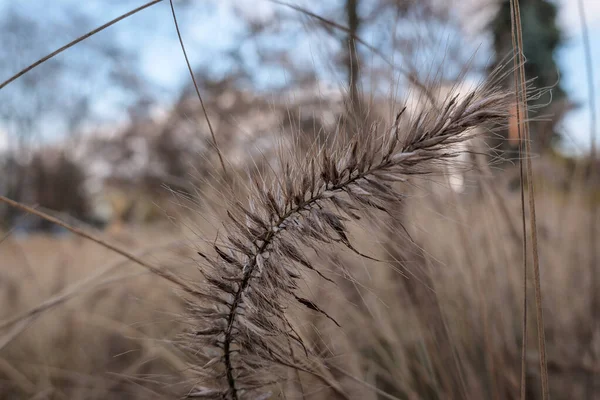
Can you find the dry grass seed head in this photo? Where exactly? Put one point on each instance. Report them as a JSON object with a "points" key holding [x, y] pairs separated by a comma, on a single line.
{"points": [[253, 278]]}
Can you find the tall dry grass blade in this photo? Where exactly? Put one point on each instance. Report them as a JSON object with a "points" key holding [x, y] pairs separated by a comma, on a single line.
{"points": [[74, 42], [519, 116], [169, 276], [595, 278], [6, 235], [483, 307], [422, 296], [187, 61], [76, 288], [19, 323], [380, 392], [521, 90], [15, 330]]}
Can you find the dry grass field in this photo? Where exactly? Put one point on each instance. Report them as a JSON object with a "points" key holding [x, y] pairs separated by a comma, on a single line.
{"points": [[96, 327], [441, 318]]}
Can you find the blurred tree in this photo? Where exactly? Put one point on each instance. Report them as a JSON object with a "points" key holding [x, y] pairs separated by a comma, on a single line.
{"points": [[294, 55], [57, 184], [352, 58], [298, 43], [59, 98], [542, 37]]}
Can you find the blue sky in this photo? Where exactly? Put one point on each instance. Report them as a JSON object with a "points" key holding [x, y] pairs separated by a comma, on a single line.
{"points": [[571, 59], [152, 32]]}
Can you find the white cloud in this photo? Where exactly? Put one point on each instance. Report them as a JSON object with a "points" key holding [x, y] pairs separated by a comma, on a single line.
{"points": [[572, 60]]}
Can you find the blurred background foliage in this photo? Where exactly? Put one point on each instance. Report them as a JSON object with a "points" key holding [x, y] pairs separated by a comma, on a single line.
{"points": [[121, 107]]}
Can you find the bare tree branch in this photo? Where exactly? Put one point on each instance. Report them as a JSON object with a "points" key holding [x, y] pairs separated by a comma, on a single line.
{"points": [[74, 42]]}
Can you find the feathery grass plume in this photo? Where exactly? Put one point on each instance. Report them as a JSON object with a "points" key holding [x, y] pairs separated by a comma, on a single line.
{"points": [[242, 339]]}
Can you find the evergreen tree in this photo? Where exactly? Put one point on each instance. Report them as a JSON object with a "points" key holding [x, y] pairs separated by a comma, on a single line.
{"points": [[542, 38]]}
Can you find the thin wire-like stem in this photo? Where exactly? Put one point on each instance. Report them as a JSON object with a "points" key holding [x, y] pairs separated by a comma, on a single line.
{"points": [[6, 235], [593, 234], [74, 42], [187, 61], [155, 270], [517, 34], [380, 392], [74, 289]]}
